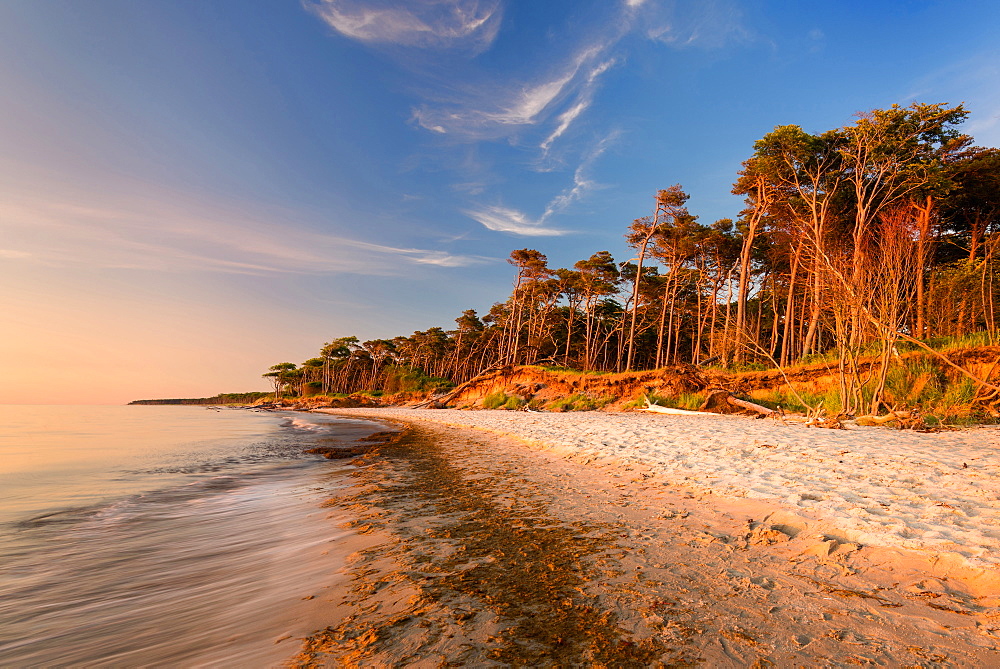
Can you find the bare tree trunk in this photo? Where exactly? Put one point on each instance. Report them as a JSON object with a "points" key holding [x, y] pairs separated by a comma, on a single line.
{"points": [[789, 310], [923, 232]]}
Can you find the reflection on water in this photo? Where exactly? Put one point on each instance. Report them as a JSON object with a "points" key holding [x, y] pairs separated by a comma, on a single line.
{"points": [[211, 568]]}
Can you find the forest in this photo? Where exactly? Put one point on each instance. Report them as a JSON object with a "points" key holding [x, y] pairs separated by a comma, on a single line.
{"points": [[853, 244]]}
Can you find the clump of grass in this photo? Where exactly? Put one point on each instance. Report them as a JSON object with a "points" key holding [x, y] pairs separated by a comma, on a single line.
{"points": [[513, 403], [951, 343], [689, 401], [922, 384], [571, 371], [501, 400], [960, 392], [750, 367], [827, 356], [917, 383], [579, 402], [806, 401], [565, 403], [495, 400]]}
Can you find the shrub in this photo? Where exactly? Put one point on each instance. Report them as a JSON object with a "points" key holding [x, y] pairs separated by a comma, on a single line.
{"points": [[915, 382], [494, 400], [513, 403], [806, 401], [580, 402]]}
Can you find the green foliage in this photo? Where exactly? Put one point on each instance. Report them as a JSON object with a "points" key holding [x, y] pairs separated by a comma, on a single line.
{"points": [[961, 392], [968, 340], [513, 403], [221, 398], [915, 383], [830, 356], [828, 401], [239, 398], [922, 384], [579, 402], [687, 401], [403, 378], [500, 400], [495, 400], [749, 367], [567, 371]]}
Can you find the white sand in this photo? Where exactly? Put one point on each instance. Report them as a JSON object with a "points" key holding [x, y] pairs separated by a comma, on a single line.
{"points": [[877, 486]]}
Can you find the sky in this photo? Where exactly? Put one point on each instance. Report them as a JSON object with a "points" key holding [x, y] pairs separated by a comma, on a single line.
{"points": [[192, 191]]}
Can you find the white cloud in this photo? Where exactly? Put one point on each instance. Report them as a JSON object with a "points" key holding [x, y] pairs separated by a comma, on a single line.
{"points": [[584, 100], [137, 236], [415, 23], [520, 107], [581, 183], [495, 110], [502, 219], [565, 119]]}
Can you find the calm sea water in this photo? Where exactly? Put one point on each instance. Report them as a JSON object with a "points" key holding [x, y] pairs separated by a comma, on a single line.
{"points": [[162, 535]]}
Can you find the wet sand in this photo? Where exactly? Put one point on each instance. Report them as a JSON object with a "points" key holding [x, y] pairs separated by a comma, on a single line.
{"points": [[476, 549]]}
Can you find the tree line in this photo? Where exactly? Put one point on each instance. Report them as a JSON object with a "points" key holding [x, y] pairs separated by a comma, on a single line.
{"points": [[849, 241]]}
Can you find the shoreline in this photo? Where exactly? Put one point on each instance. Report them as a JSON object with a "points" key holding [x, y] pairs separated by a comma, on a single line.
{"points": [[482, 549]]}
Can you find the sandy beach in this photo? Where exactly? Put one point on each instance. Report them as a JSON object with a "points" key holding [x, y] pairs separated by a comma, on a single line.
{"points": [[494, 538]]}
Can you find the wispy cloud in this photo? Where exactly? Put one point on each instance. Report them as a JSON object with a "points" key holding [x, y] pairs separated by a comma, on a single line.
{"points": [[709, 24], [130, 237], [582, 184], [497, 109], [470, 187], [503, 219], [585, 98], [415, 23], [512, 221]]}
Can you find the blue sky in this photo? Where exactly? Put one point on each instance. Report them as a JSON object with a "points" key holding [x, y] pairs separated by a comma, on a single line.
{"points": [[192, 191]]}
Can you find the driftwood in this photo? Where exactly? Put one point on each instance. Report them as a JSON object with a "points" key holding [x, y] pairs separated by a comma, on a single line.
{"points": [[656, 408], [722, 401], [908, 420], [882, 420], [718, 402]]}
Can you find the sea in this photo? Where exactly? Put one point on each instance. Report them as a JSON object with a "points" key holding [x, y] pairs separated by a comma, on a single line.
{"points": [[165, 535]]}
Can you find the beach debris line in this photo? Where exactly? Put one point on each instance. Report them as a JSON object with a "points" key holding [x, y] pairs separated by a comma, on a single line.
{"points": [[474, 575], [360, 447]]}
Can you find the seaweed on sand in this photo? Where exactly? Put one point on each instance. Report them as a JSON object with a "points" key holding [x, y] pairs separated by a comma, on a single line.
{"points": [[483, 562]]}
